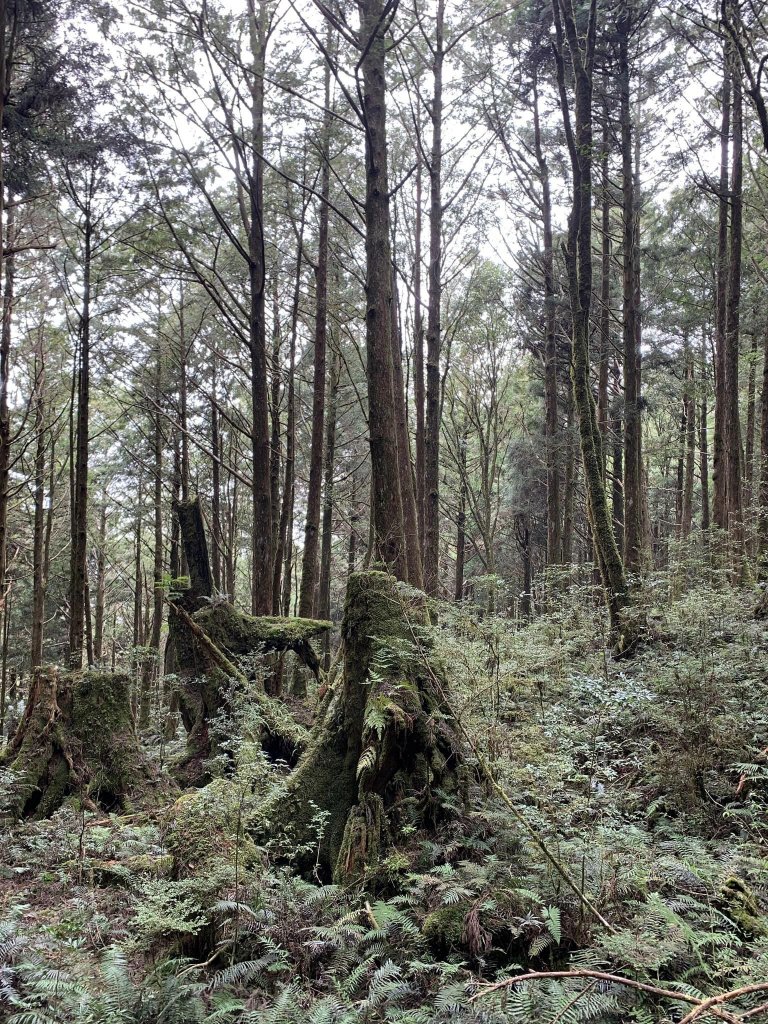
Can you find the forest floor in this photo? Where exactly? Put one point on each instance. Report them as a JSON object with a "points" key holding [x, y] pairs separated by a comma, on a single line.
{"points": [[644, 781]]}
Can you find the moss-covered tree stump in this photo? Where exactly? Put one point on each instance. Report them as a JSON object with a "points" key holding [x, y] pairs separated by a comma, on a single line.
{"points": [[210, 638], [76, 740], [210, 646], [384, 738]]}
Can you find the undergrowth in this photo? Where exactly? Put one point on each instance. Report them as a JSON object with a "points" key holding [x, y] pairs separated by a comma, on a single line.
{"points": [[646, 779]]}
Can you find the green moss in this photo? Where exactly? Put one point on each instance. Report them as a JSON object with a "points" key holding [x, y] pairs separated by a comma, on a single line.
{"points": [[206, 830], [444, 927], [77, 742], [743, 909], [239, 633]]}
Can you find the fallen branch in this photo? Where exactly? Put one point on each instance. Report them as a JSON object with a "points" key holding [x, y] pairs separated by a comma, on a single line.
{"points": [[700, 1005]]}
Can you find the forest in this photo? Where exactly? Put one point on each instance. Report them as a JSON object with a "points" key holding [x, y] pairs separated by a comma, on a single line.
{"points": [[383, 511]]}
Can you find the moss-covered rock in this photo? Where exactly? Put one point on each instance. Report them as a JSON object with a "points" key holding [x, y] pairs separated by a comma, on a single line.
{"points": [[206, 830], [444, 927]]}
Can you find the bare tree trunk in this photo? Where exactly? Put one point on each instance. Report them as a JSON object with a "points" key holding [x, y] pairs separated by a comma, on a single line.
{"points": [[418, 355], [138, 633], [579, 267], [77, 571], [719, 452], [284, 552], [407, 487], [703, 440], [461, 518], [353, 519], [324, 590], [633, 462], [261, 491], [689, 400], [432, 439], [386, 508], [274, 414], [152, 656], [732, 333], [309, 565], [749, 444], [763, 496], [569, 482], [7, 268], [101, 586], [39, 583], [604, 313], [551, 427], [216, 531]]}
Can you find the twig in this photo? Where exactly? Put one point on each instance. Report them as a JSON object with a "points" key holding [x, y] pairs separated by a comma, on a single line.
{"points": [[709, 1005]]}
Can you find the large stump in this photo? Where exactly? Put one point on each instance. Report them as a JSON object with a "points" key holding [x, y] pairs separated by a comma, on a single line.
{"points": [[210, 637], [385, 740], [76, 740]]}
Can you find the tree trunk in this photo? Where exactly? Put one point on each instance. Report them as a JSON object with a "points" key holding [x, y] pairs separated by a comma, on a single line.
{"points": [[284, 551], [704, 441], [7, 269], [77, 739], [208, 637], [604, 317], [763, 494], [39, 582], [633, 461], [309, 565], [732, 332], [77, 570], [324, 594], [387, 508], [579, 267], [689, 401], [719, 451], [461, 518], [151, 663], [261, 491], [217, 536], [432, 438], [418, 355], [101, 586], [551, 429], [749, 444]]}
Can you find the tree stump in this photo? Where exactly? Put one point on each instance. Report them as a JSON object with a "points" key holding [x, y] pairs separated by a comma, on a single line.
{"points": [[77, 740], [209, 636], [384, 740]]}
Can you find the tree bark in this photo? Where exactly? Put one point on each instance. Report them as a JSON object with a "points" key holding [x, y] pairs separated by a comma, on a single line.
{"points": [[77, 570], [432, 437], [551, 428], [633, 461], [324, 592], [579, 267], [355, 768], [387, 508], [261, 491], [309, 564], [704, 440], [719, 450], [735, 517]]}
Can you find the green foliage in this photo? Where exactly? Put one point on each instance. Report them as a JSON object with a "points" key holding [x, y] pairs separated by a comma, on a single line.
{"points": [[647, 780]]}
